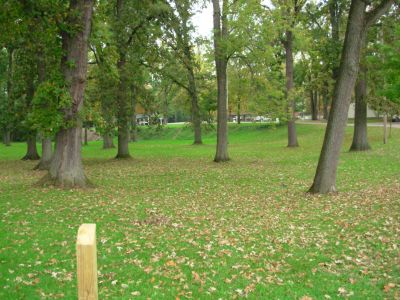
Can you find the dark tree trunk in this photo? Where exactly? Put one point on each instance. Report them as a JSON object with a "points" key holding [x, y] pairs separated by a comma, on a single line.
{"points": [[123, 120], [123, 114], [31, 153], [385, 117], [292, 133], [7, 137], [85, 137], [133, 129], [66, 168], [31, 149], [47, 154], [325, 99], [10, 100], [221, 62], [358, 23], [335, 13], [360, 137], [108, 140], [314, 105], [196, 119], [238, 111]]}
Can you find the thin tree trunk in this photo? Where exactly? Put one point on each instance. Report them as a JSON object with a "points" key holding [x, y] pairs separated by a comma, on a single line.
{"points": [[123, 114], [325, 100], [221, 62], [357, 26], [196, 119], [360, 137], [292, 134], [47, 154], [385, 128], [314, 105], [238, 111], [10, 99], [85, 138], [66, 168]]}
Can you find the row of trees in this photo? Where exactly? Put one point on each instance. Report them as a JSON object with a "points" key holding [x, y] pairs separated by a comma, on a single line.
{"points": [[279, 58]]}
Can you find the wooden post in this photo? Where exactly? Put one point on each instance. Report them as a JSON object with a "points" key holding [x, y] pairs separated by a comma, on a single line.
{"points": [[87, 262]]}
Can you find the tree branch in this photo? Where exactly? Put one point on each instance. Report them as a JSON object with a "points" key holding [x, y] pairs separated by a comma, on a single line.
{"points": [[377, 12]]}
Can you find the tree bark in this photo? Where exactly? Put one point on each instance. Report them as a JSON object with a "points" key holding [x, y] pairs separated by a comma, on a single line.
{"points": [[221, 63], [7, 137], [66, 168], [10, 99], [196, 119], [47, 153], [360, 137], [123, 114], [31, 149], [85, 137], [314, 105], [238, 115], [325, 100], [292, 134], [31, 153], [108, 141], [358, 23]]}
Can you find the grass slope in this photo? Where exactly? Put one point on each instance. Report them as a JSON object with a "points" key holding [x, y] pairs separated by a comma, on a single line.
{"points": [[173, 224]]}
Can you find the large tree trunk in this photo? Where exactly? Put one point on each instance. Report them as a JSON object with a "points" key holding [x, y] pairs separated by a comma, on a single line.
{"points": [[31, 151], [292, 134], [47, 154], [360, 138], [221, 63], [325, 177], [66, 168], [314, 105]]}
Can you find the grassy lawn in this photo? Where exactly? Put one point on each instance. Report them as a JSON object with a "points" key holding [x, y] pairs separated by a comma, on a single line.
{"points": [[173, 224]]}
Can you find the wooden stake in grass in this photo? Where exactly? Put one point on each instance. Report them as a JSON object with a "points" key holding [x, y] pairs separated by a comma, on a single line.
{"points": [[86, 254]]}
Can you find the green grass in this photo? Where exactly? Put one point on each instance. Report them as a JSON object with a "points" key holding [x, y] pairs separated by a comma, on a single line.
{"points": [[173, 224]]}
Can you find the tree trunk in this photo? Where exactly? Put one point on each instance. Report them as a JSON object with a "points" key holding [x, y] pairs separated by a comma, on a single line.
{"points": [[360, 138], [66, 168], [385, 128], [292, 134], [221, 62], [7, 137], [314, 105], [325, 99], [85, 137], [10, 99], [47, 153], [31, 152], [325, 177], [108, 141], [123, 114], [196, 119], [238, 111], [123, 120]]}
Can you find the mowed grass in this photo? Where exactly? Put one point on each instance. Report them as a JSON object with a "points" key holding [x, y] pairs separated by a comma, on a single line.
{"points": [[173, 224]]}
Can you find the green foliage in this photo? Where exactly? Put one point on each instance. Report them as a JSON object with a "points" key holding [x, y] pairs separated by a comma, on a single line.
{"points": [[49, 104]]}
